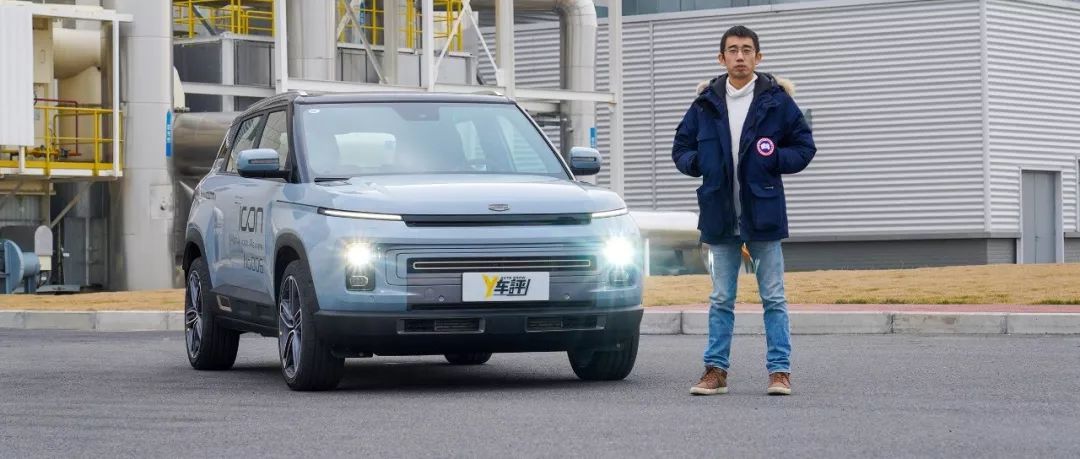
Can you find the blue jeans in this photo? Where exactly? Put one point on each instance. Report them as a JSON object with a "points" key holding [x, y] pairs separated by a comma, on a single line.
{"points": [[726, 261]]}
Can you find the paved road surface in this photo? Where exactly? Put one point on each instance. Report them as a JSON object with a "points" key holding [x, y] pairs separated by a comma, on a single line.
{"points": [[133, 394]]}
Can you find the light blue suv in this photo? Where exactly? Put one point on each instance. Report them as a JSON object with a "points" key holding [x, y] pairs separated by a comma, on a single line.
{"points": [[407, 224]]}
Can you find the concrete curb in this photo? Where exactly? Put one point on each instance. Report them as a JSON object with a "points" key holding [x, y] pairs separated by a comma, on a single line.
{"points": [[1043, 324], [949, 322], [58, 320], [11, 319], [652, 323], [93, 320], [174, 320], [833, 323], [667, 322], [131, 321]]}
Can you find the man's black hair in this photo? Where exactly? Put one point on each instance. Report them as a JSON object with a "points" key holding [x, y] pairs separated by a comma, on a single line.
{"points": [[740, 31]]}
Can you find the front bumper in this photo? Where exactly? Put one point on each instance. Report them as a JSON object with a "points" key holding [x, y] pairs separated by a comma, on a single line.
{"points": [[477, 330]]}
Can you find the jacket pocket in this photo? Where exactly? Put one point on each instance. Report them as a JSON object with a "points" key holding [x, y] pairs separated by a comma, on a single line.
{"points": [[768, 210], [708, 146], [712, 216]]}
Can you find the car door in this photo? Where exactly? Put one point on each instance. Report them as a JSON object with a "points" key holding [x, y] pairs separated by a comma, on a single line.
{"points": [[207, 215], [234, 282], [261, 196]]}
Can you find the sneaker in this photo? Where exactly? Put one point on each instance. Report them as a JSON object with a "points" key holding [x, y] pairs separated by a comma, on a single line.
{"points": [[779, 384], [713, 382]]}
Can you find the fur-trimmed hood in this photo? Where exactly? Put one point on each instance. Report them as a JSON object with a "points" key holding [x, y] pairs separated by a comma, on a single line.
{"points": [[786, 84]]}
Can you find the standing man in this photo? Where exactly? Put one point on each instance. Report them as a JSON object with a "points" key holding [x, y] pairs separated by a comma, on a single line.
{"points": [[743, 132]]}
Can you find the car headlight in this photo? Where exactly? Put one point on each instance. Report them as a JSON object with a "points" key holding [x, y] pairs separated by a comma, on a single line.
{"points": [[360, 266], [359, 255], [619, 251]]}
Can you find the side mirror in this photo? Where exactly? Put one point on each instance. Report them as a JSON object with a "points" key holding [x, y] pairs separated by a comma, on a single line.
{"points": [[584, 161], [260, 163]]}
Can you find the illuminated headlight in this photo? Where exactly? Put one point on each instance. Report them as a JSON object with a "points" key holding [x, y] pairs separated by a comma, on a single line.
{"points": [[359, 255], [360, 266], [619, 251]]}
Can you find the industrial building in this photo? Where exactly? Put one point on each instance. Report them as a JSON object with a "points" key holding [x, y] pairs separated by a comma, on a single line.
{"points": [[946, 129]]}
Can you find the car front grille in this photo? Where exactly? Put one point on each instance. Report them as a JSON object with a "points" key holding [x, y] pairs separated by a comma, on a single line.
{"points": [[489, 264]]}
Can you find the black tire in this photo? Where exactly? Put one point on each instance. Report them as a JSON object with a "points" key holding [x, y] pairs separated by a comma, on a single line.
{"points": [[473, 358], [315, 367], [614, 365], [210, 346]]}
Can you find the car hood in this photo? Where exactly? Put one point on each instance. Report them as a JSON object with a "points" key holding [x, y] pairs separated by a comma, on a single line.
{"points": [[467, 194]]}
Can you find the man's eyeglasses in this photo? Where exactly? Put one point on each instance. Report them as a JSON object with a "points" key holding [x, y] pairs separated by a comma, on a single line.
{"points": [[735, 51]]}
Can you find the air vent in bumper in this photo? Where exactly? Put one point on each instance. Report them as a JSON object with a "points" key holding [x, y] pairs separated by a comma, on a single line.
{"points": [[556, 323], [441, 326]]}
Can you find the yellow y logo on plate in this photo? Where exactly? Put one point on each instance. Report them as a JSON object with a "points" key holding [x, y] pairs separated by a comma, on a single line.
{"points": [[489, 283]]}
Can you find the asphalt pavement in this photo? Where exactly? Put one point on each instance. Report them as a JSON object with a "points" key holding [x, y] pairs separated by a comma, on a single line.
{"points": [[80, 394]]}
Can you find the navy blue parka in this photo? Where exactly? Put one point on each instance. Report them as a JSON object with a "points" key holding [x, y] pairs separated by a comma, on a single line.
{"points": [[776, 140]]}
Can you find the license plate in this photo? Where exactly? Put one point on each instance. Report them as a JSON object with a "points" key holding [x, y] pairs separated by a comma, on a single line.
{"points": [[505, 286]]}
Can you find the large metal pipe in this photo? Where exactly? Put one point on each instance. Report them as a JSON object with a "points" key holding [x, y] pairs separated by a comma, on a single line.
{"points": [[577, 53], [196, 140], [75, 51], [143, 198], [577, 61], [312, 43]]}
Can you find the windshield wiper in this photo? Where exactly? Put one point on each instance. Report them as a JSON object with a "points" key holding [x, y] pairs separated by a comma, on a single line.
{"points": [[331, 179]]}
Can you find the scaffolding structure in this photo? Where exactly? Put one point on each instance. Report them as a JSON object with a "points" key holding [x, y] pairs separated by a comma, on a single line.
{"points": [[70, 141], [195, 18], [427, 51], [241, 17]]}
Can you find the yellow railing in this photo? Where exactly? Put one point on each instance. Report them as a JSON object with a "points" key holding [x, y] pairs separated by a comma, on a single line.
{"points": [[256, 17], [371, 15], [452, 8], [373, 21], [414, 30], [242, 17], [83, 144]]}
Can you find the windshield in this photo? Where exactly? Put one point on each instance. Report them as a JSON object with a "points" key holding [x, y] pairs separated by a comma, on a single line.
{"points": [[348, 140]]}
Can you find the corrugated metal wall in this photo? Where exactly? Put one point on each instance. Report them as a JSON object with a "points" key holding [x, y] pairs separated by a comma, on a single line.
{"points": [[1072, 251], [897, 254], [20, 210], [1033, 55], [16, 76], [898, 122], [896, 113]]}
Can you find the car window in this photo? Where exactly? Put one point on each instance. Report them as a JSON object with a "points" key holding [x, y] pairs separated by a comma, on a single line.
{"points": [[245, 139], [345, 140], [220, 157], [275, 136]]}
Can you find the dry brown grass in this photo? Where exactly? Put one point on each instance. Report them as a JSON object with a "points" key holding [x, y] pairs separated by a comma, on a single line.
{"points": [[152, 300], [996, 284]]}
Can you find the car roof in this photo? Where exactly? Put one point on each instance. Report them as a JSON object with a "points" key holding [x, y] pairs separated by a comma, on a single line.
{"points": [[300, 97]]}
